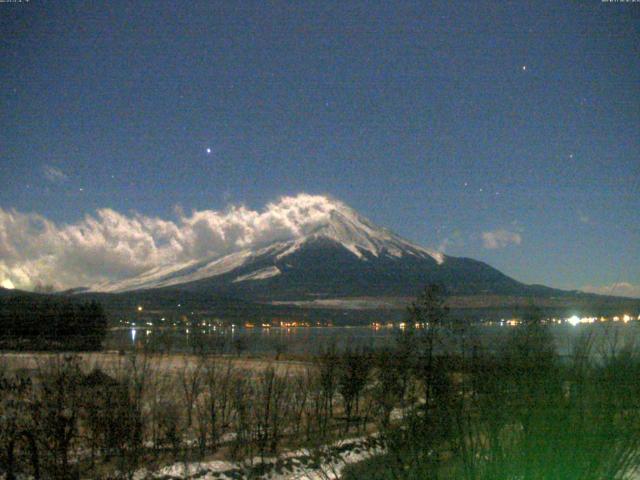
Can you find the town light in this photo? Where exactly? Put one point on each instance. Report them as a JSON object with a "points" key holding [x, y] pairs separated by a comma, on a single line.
{"points": [[574, 320]]}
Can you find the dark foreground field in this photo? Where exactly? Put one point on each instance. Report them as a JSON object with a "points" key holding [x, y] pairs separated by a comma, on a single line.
{"points": [[405, 411]]}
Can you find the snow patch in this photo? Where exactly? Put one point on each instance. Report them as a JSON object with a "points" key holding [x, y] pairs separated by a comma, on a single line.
{"points": [[259, 274], [293, 465]]}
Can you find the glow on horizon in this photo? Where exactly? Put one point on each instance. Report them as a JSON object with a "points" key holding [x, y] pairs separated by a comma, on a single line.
{"points": [[8, 284], [574, 320]]}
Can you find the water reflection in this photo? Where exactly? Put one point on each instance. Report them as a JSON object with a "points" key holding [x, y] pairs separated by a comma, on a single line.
{"points": [[311, 340]]}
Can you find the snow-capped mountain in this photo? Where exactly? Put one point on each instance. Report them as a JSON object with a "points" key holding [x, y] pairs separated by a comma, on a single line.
{"points": [[344, 254]]}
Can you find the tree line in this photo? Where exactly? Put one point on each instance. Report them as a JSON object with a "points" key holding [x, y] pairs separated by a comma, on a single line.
{"points": [[51, 322]]}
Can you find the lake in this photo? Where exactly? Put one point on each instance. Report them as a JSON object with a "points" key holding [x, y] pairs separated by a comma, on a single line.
{"points": [[311, 340]]}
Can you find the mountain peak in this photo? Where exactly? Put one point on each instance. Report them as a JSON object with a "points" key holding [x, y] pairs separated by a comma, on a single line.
{"points": [[282, 229], [339, 222]]}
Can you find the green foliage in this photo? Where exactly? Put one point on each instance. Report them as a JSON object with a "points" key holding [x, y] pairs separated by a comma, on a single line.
{"points": [[519, 412], [407, 466]]}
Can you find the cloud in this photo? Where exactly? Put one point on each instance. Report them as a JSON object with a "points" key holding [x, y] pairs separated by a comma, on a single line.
{"points": [[500, 238], [620, 289], [443, 245], [455, 240], [109, 245], [54, 174]]}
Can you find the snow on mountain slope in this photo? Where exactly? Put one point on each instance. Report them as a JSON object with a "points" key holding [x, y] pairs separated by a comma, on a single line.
{"points": [[334, 221], [259, 274], [150, 276], [188, 272], [358, 235]]}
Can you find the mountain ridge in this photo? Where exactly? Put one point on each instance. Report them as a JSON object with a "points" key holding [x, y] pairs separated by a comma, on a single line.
{"points": [[343, 225], [344, 255]]}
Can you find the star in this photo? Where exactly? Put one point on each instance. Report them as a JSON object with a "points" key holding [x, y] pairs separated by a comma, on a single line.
{"points": [[208, 151], [524, 68]]}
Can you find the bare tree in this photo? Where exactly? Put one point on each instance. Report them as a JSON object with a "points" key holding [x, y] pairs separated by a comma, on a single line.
{"points": [[390, 372], [327, 364], [190, 379], [242, 426], [134, 375], [427, 317], [354, 367], [214, 407], [12, 422], [302, 386], [58, 409]]}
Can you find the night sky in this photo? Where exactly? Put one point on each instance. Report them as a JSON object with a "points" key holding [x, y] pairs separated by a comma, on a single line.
{"points": [[503, 131]]}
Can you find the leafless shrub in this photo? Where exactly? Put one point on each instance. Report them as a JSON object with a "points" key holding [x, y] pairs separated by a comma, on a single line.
{"points": [[271, 407], [390, 372], [327, 363], [190, 379], [354, 367], [134, 374], [16, 427], [55, 411]]}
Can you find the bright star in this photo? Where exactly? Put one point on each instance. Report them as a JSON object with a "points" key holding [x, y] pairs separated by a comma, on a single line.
{"points": [[524, 68], [208, 150]]}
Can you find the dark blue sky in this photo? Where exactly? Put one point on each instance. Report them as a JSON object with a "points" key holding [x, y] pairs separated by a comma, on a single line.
{"points": [[439, 120]]}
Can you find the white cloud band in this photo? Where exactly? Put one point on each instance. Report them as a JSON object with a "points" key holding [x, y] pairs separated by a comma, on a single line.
{"points": [[110, 245], [54, 174], [500, 238]]}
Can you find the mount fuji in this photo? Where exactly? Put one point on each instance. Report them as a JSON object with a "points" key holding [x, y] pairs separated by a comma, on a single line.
{"points": [[343, 255]]}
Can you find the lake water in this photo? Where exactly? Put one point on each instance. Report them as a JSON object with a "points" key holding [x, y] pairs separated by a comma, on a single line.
{"points": [[311, 340]]}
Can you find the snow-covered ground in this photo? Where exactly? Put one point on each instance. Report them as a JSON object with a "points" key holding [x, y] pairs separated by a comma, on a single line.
{"points": [[326, 463]]}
